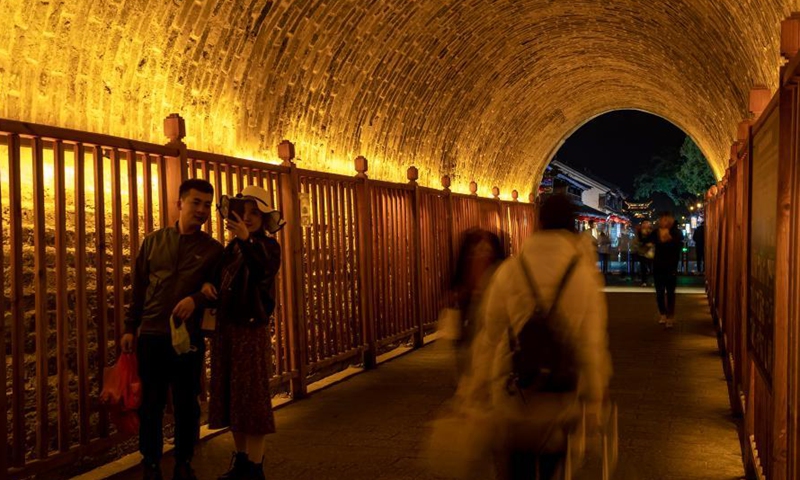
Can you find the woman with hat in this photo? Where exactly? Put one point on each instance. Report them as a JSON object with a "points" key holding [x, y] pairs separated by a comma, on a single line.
{"points": [[244, 288]]}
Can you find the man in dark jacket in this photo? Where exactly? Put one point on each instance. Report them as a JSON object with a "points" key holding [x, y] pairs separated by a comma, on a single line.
{"points": [[668, 241], [170, 270]]}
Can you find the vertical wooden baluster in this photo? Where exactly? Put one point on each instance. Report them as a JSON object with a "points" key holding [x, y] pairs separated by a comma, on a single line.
{"points": [[40, 284], [163, 195], [323, 323], [148, 193], [327, 256], [81, 313], [18, 333], [4, 442], [337, 301], [209, 225], [101, 317], [3, 382], [116, 241], [380, 247], [133, 207], [220, 230], [345, 278], [312, 293], [62, 324]]}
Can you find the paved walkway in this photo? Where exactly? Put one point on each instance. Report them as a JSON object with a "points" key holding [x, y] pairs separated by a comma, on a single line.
{"points": [[674, 418]]}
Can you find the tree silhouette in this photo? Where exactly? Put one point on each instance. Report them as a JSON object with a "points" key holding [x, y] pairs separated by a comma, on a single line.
{"points": [[681, 175]]}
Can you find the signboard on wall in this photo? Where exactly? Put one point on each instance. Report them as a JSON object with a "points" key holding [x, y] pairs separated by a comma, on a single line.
{"points": [[763, 233]]}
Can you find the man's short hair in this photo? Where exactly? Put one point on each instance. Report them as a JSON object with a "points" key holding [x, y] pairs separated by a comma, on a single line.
{"points": [[198, 184], [666, 213], [558, 212]]}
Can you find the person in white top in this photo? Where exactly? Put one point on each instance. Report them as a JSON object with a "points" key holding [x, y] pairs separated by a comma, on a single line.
{"points": [[530, 429]]}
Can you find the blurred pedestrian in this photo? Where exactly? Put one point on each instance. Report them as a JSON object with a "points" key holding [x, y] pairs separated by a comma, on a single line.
{"points": [[550, 294], [479, 254], [668, 241], [603, 249], [645, 251], [699, 238]]}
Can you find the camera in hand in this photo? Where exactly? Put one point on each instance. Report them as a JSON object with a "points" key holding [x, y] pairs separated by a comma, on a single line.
{"points": [[228, 205]]}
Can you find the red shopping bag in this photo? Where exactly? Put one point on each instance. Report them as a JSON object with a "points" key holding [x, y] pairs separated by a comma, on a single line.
{"points": [[122, 392]]}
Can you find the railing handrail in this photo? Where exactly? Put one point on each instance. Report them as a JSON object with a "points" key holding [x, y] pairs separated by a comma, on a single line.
{"points": [[26, 129], [303, 172], [235, 161]]}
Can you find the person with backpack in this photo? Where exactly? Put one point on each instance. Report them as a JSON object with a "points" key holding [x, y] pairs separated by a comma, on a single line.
{"points": [[241, 361], [542, 350]]}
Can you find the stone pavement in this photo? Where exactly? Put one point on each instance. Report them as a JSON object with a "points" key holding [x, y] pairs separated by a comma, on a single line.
{"points": [[674, 419]]}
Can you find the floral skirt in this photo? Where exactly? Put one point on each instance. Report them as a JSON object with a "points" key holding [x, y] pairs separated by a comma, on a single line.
{"points": [[241, 365]]}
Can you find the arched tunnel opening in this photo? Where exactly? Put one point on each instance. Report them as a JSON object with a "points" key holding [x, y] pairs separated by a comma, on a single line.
{"points": [[624, 168]]}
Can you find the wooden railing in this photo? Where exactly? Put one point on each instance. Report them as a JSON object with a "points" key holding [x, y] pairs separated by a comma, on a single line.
{"points": [[753, 278], [366, 266]]}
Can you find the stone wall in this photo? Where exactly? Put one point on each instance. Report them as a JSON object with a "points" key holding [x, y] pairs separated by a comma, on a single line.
{"points": [[478, 90]]}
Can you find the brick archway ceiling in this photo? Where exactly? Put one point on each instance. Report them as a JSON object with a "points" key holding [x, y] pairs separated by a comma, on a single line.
{"points": [[484, 90]]}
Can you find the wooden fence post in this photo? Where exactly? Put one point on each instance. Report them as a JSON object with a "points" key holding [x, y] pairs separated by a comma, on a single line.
{"points": [[363, 199], [294, 293], [416, 280], [451, 236], [174, 169]]}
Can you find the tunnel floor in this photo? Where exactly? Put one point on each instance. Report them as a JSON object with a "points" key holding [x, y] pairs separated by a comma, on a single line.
{"points": [[674, 415]]}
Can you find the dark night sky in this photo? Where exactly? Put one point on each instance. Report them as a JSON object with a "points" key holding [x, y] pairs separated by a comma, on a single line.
{"points": [[616, 146]]}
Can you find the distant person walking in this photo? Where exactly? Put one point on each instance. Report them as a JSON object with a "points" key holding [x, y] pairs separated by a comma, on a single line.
{"points": [[699, 238], [604, 250], [645, 251], [668, 241]]}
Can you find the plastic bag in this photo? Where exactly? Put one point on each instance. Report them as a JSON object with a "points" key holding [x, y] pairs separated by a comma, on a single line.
{"points": [[122, 392]]}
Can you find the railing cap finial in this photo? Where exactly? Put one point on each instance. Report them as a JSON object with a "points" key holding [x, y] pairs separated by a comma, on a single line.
{"points": [[361, 165], [286, 152]]}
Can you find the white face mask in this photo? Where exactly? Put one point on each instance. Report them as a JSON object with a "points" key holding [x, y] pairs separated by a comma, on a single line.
{"points": [[180, 338]]}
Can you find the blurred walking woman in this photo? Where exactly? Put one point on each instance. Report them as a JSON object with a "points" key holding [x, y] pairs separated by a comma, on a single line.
{"points": [[480, 252], [241, 362]]}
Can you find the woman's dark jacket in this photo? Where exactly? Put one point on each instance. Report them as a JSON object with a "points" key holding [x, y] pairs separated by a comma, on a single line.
{"points": [[668, 254], [246, 280]]}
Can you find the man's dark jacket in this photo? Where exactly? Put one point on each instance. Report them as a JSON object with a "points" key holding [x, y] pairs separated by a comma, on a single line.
{"points": [[169, 268]]}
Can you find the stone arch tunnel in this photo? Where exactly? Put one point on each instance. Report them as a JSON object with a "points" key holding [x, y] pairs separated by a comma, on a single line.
{"points": [[473, 95]]}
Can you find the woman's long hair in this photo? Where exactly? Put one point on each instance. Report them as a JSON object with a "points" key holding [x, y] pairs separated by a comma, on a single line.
{"points": [[469, 240]]}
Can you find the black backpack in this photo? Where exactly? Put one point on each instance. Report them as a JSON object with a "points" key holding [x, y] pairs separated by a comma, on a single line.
{"points": [[543, 359]]}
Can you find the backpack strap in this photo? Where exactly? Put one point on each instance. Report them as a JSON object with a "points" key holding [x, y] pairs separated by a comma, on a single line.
{"points": [[564, 279]]}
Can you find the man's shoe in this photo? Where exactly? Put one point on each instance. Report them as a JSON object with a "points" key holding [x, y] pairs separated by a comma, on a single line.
{"points": [[670, 323], [151, 471], [662, 319], [183, 471], [240, 467]]}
